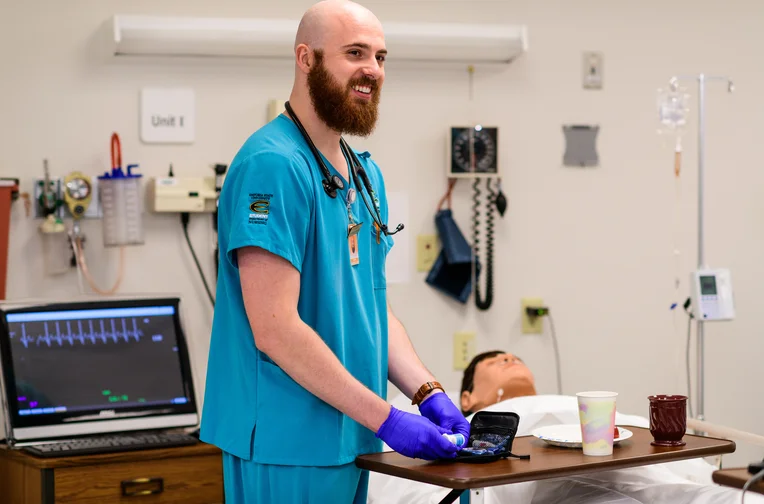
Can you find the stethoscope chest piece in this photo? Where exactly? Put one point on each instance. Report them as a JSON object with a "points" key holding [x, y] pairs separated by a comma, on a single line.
{"points": [[331, 185], [333, 182]]}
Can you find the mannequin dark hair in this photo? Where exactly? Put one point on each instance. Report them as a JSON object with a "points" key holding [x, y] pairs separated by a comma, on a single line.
{"points": [[468, 379]]}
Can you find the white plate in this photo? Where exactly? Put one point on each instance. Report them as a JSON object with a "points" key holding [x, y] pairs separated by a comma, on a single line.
{"points": [[569, 436]]}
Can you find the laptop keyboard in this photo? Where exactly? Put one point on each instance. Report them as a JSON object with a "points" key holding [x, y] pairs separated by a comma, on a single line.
{"points": [[111, 444]]}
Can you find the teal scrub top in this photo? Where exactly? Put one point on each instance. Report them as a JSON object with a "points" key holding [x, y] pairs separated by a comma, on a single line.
{"points": [[273, 198]]}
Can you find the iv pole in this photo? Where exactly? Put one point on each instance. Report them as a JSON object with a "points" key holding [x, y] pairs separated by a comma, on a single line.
{"points": [[701, 79]]}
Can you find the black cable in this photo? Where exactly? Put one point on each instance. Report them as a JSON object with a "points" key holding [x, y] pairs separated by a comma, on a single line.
{"points": [[354, 173], [220, 170], [330, 182], [357, 170], [484, 304], [541, 311], [556, 352], [184, 218], [687, 365], [217, 238], [215, 231], [757, 477], [476, 218], [217, 260], [480, 302], [476, 231], [690, 316], [372, 211]]}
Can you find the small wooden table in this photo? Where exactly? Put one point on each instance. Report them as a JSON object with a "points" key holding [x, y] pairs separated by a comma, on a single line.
{"points": [[546, 462], [184, 474], [736, 478]]}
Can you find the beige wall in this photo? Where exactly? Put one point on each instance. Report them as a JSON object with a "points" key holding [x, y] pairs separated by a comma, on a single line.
{"points": [[596, 244]]}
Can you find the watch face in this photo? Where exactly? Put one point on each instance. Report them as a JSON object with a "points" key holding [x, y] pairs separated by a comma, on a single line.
{"points": [[478, 142], [78, 188]]}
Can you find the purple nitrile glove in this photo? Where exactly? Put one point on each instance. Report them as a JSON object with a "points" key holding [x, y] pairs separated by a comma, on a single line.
{"points": [[415, 436], [439, 409]]}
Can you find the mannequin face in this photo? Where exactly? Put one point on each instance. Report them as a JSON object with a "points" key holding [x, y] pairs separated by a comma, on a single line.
{"points": [[498, 378]]}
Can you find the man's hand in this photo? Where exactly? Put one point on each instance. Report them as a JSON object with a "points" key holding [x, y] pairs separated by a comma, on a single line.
{"points": [[439, 409], [408, 373], [415, 436]]}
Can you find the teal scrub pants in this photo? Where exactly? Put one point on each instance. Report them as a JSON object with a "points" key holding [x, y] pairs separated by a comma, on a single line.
{"points": [[248, 482]]}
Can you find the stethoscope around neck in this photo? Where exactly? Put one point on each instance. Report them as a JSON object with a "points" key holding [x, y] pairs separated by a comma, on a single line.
{"points": [[332, 183]]}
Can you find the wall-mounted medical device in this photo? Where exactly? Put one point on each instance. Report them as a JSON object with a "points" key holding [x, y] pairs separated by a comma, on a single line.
{"points": [[712, 294], [70, 196], [78, 193], [473, 152], [182, 194]]}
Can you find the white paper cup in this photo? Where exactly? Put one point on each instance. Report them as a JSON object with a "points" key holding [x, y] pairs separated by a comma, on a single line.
{"points": [[596, 411]]}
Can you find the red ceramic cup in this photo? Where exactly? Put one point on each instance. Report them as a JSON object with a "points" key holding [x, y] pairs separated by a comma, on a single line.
{"points": [[668, 419]]}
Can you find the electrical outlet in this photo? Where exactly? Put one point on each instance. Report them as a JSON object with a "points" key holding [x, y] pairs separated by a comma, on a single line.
{"points": [[592, 70], [464, 349], [426, 251], [535, 326]]}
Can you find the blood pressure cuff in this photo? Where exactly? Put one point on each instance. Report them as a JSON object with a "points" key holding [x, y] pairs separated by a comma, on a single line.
{"points": [[451, 273], [491, 436]]}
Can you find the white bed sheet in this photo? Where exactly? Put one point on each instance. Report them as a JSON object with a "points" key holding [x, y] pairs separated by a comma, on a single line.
{"points": [[681, 482]]}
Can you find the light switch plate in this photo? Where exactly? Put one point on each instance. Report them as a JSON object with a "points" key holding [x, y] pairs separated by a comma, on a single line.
{"points": [[592, 70], [464, 349]]}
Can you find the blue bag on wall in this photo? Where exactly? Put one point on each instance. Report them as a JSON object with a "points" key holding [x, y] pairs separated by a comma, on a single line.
{"points": [[452, 271]]}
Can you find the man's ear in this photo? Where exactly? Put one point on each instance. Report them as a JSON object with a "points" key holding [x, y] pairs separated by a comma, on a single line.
{"points": [[467, 401], [304, 56]]}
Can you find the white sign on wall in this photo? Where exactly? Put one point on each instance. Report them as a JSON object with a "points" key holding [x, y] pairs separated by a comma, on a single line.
{"points": [[167, 115]]}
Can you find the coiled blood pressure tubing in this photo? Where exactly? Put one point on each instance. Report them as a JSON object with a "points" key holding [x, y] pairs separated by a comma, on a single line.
{"points": [[473, 154]]}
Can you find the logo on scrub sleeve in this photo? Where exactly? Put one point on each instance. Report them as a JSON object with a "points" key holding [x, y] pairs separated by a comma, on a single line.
{"points": [[259, 208]]}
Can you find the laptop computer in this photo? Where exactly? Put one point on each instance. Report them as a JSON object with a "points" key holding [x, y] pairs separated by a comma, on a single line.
{"points": [[94, 376]]}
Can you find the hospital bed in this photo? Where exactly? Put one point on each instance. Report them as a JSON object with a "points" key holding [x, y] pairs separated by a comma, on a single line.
{"points": [[681, 482]]}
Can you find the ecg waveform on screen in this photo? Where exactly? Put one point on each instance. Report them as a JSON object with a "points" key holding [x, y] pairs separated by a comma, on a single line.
{"points": [[70, 332]]}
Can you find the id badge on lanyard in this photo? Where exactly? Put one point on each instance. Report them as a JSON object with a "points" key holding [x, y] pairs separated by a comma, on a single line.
{"points": [[353, 230]]}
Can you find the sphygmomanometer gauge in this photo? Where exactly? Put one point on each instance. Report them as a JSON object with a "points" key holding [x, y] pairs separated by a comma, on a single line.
{"points": [[473, 151]]}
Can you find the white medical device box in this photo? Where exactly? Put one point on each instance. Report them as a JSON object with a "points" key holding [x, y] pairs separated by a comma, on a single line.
{"points": [[712, 294], [182, 194]]}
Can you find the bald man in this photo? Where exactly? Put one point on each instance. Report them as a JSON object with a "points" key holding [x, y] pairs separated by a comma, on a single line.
{"points": [[303, 338]]}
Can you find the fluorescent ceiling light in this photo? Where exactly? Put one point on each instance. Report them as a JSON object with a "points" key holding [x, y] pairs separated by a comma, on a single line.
{"points": [[274, 38]]}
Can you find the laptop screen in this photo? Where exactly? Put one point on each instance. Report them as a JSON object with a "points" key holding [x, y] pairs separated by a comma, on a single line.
{"points": [[103, 366]]}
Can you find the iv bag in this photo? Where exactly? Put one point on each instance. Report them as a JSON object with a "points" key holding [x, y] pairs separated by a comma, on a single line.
{"points": [[672, 110]]}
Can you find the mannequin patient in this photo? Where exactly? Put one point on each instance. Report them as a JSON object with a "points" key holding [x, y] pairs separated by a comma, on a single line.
{"points": [[492, 377]]}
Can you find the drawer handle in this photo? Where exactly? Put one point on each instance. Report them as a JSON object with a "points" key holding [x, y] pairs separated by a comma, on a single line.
{"points": [[142, 486]]}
